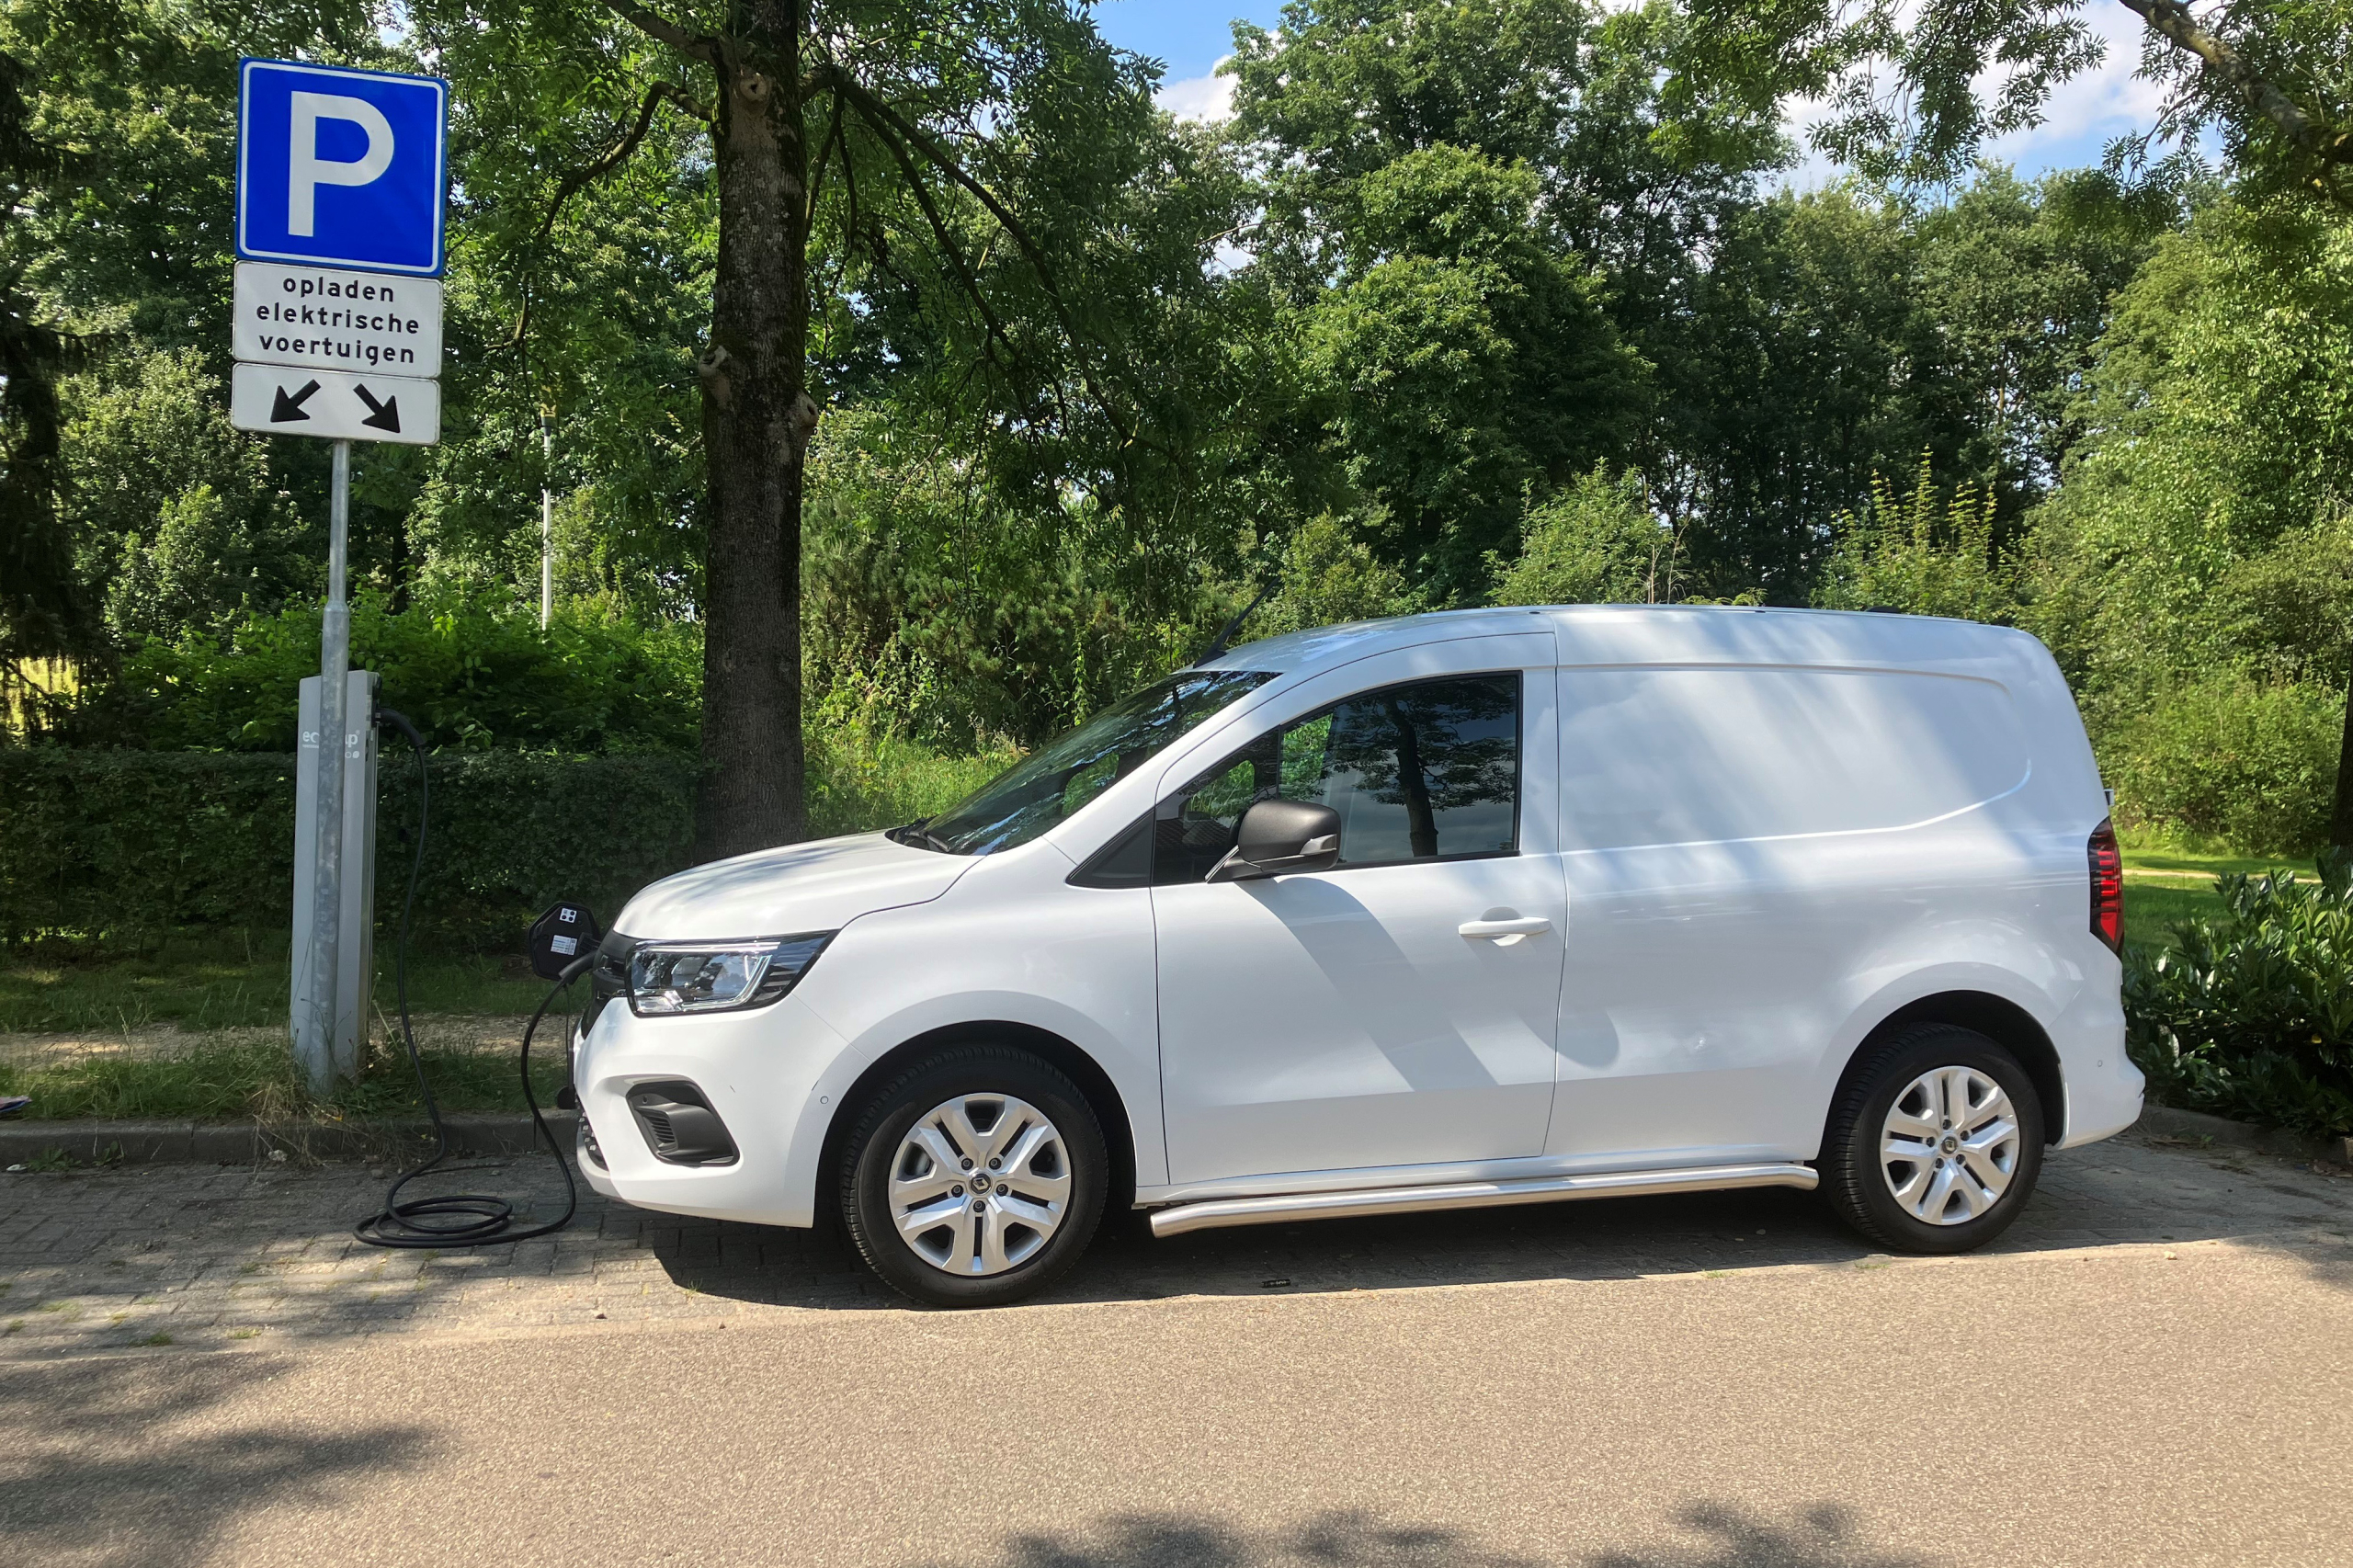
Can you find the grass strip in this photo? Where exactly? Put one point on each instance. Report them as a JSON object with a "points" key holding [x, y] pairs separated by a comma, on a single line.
{"points": [[234, 1080]]}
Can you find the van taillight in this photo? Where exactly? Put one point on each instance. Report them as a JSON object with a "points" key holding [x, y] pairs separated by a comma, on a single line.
{"points": [[2108, 887]]}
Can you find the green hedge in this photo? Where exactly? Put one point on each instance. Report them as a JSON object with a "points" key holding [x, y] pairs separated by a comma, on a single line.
{"points": [[122, 847]]}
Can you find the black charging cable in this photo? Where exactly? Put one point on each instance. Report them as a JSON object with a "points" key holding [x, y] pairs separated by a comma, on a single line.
{"points": [[458, 1218]]}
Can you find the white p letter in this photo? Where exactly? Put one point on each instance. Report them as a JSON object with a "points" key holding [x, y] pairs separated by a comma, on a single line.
{"points": [[307, 171]]}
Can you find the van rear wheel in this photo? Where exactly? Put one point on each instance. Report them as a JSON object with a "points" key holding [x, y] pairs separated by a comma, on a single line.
{"points": [[975, 1178], [1935, 1142]]}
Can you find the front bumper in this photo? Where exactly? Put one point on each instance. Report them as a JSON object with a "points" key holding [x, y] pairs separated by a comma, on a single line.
{"points": [[758, 1069]]}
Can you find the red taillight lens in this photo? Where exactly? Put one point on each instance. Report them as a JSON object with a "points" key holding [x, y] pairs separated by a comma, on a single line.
{"points": [[2108, 887]]}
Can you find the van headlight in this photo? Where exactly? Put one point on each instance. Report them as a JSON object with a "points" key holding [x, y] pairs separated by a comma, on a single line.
{"points": [[715, 977]]}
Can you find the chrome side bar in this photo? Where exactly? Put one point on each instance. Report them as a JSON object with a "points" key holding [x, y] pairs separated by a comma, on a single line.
{"points": [[1214, 1213]]}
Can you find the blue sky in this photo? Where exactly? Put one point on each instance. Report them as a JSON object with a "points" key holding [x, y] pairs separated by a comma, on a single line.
{"points": [[1191, 36]]}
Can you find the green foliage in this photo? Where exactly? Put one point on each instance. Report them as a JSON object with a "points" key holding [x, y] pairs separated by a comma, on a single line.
{"points": [[1809, 361], [2019, 280], [126, 847], [133, 844], [1464, 360], [937, 609], [2220, 421], [2228, 758], [177, 514], [2289, 611], [123, 848], [1911, 93], [2194, 574], [2251, 1016], [1597, 541], [1329, 577], [860, 780], [467, 675], [1930, 555]]}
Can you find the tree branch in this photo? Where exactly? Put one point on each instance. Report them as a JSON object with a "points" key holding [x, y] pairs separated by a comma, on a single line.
{"points": [[581, 178], [914, 177], [606, 163], [2171, 20], [887, 121], [826, 150], [693, 45]]}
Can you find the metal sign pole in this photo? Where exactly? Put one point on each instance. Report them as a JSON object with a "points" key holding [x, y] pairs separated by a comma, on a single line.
{"points": [[547, 526], [337, 334], [326, 902]]}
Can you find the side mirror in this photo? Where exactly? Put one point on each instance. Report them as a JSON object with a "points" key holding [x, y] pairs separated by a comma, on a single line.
{"points": [[1275, 837]]}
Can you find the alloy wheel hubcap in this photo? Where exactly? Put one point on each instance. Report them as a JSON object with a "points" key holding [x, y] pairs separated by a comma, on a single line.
{"points": [[980, 1184], [1950, 1146]]}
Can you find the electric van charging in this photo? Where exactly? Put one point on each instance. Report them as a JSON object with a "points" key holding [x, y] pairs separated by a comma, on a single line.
{"points": [[1483, 907]]}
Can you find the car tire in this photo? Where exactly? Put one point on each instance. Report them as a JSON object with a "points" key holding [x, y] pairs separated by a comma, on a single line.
{"points": [[923, 1148], [1896, 1167]]}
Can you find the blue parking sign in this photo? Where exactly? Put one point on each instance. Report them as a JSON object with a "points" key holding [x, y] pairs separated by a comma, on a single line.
{"points": [[341, 168]]}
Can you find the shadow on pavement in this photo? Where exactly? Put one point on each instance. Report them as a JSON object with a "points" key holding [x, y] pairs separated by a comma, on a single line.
{"points": [[1706, 1536], [2103, 1195], [99, 1469]]}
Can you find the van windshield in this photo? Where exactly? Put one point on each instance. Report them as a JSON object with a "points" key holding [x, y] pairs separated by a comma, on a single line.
{"points": [[1054, 781]]}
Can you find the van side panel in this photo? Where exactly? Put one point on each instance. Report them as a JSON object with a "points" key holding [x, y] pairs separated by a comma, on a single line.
{"points": [[1766, 857]]}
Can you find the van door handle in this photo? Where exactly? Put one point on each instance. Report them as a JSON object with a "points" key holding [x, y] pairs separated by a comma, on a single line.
{"points": [[1506, 930]]}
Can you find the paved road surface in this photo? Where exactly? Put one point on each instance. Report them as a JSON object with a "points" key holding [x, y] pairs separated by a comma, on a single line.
{"points": [[2155, 1367]]}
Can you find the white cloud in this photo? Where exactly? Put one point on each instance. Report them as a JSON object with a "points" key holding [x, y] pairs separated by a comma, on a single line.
{"points": [[2095, 106], [1209, 97], [2081, 115]]}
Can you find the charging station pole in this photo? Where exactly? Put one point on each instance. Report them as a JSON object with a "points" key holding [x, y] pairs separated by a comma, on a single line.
{"points": [[337, 333], [314, 1025]]}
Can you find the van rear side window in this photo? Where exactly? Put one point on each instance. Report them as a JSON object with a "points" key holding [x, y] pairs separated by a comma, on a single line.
{"points": [[1703, 755]]}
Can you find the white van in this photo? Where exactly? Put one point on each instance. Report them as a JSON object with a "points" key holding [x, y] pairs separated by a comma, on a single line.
{"points": [[1486, 907]]}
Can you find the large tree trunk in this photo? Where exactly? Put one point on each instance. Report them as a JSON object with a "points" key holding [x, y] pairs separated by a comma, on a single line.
{"points": [[758, 418]]}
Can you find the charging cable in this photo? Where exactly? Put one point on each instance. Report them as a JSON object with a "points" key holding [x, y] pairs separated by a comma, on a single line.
{"points": [[458, 1218]]}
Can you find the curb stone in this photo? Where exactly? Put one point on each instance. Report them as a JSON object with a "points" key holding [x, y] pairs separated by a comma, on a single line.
{"points": [[2222, 1130], [251, 1143]]}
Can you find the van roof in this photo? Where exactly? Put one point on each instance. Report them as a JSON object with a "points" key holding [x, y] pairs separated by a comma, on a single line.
{"points": [[1647, 633]]}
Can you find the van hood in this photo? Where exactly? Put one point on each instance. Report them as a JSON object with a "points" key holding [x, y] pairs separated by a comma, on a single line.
{"points": [[820, 886]]}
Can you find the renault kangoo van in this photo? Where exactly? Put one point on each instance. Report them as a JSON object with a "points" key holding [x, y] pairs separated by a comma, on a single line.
{"points": [[1486, 907]]}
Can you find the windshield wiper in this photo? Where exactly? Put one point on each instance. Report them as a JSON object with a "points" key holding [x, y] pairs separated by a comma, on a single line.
{"points": [[916, 835]]}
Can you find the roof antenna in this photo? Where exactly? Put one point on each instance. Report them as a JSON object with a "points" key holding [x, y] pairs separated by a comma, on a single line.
{"points": [[1218, 643]]}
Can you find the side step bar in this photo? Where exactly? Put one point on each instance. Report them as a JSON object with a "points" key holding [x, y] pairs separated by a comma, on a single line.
{"points": [[1175, 1220]]}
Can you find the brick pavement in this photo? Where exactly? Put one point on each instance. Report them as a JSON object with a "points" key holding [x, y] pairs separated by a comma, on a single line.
{"points": [[169, 1258]]}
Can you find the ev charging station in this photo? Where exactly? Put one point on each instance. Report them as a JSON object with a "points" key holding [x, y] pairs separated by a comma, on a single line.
{"points": [[342, 183]]}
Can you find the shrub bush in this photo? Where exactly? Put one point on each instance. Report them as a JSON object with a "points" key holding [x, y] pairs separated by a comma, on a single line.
{"points": [[2252, 1016], [2252, 765], [469, 675], [120, 847]]}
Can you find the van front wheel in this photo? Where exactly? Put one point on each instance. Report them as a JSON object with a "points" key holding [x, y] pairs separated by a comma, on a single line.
{"points": [[975, 1178], [1935, 1142]]}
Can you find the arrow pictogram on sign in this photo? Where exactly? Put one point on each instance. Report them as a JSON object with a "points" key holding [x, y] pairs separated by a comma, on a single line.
{"points": [[384, 415], [284, 408], [335, 405]]}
